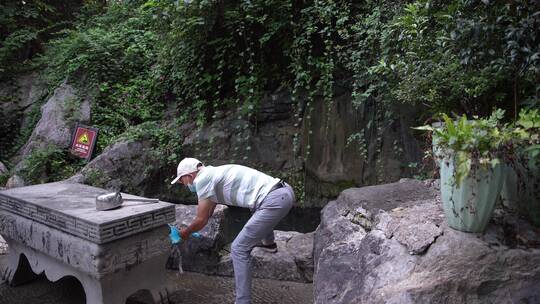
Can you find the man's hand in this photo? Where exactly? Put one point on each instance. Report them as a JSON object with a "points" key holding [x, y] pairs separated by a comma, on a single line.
{"points": [[184, 234]]}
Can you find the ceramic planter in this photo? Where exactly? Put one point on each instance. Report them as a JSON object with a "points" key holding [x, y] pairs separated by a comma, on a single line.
{"points": [[469, 206]]}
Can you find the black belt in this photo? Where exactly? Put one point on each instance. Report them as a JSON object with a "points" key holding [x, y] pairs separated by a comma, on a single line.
{"points": [[280, 184]]}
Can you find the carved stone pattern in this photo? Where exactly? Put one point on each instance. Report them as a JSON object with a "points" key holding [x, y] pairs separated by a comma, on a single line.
{"points": [[98, 234], [119, 229]]}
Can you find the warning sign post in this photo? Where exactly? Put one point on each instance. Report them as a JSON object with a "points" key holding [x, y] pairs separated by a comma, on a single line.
{"points": [[84, 141]]}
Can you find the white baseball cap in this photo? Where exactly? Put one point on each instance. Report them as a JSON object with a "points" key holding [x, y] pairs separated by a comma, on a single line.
{"points": [[186, 166]]}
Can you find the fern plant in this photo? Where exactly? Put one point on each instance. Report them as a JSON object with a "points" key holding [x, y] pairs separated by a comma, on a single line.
{"points": [[477, 141]]}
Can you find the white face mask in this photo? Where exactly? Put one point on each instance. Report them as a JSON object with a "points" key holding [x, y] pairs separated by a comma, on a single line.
{"points": [[191, 186]]}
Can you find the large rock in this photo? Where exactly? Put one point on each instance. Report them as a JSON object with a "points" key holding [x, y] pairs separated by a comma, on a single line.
{"points": [[391, 244], [202, 255], [127, 165], [3, 168], [14, 182], [292, 262], [134, 166], [58, 117], [350, 216]]}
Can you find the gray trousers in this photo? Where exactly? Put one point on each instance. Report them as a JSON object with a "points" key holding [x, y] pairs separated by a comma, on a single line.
{"points": [[260, 226]]}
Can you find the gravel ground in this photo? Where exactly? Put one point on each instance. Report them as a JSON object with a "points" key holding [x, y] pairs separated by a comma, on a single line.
{"points": [[189, 288]]}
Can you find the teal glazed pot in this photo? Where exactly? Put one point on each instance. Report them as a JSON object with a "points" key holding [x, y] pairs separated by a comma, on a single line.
{"points": [[469, 206]]}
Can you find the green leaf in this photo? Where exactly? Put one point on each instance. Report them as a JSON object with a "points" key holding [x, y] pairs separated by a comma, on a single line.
{"points": [[463, 166]]}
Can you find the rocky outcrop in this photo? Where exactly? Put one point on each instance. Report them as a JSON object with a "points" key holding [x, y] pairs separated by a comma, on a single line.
{"points": [[274, 139], [58, 117], [126, 165], [202, 255], [292, 262], [14, 182], [390, 244]]}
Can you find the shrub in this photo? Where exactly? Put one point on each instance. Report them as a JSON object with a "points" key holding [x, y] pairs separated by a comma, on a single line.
{"points": [[49, 164]]}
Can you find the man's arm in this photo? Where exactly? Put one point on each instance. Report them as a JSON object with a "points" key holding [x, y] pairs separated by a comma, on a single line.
{"points": [[205, 209]]}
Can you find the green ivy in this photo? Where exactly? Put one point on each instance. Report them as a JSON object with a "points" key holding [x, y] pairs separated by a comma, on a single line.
{"points": [[463, 56], [25, 26], [148, 60], [527, 138]]}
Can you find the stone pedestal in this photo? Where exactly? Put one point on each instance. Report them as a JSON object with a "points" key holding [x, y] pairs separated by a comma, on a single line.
{"points": [[55, 229]]}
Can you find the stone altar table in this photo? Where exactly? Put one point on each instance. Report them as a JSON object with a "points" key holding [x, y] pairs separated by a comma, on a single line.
{"points": [[112, 253]]}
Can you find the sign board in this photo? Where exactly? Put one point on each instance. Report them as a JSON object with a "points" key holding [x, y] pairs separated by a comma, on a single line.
{"points": [[84, 141]]}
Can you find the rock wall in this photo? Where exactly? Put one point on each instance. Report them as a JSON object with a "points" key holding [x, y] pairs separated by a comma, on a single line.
{"points": [[332, 164], [266, 143], [335, 163], [58, 117], [265, 140]]}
